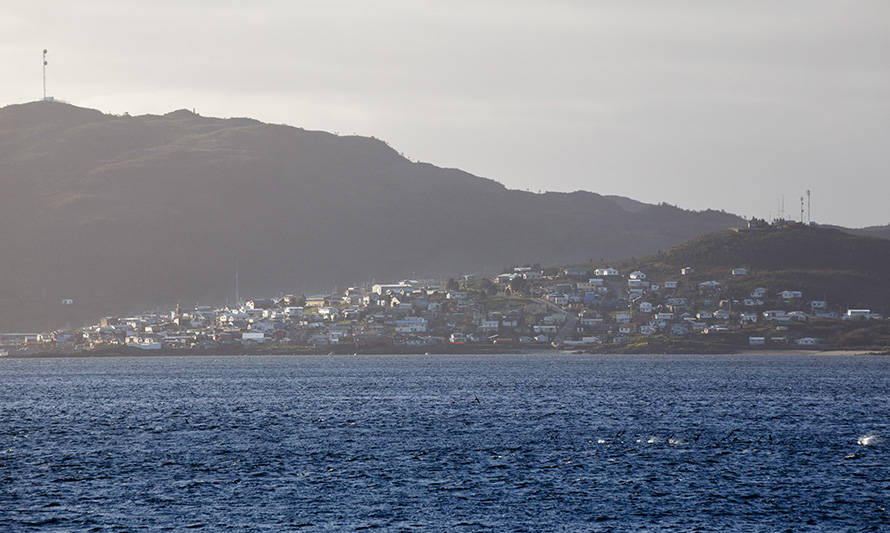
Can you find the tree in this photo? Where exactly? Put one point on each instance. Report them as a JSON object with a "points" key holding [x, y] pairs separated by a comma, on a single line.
{"points": [[487, 287]]}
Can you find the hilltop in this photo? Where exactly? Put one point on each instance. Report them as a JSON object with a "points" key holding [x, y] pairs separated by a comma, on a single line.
{"points": [[824, 263], [116, 213]]}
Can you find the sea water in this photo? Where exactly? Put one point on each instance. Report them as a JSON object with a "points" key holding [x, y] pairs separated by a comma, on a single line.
{"points": [[545, 442]]}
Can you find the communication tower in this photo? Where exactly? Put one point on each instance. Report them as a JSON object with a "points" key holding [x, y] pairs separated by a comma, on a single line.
{"points": [[44, 73]]}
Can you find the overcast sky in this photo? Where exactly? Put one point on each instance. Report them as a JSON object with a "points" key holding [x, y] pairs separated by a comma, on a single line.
{"points": [[727, 105]]}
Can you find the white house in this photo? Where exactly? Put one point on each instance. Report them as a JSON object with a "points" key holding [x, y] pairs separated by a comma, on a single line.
{"points": [[759, 292], [622, 317], [750, 318], [791, 295], [685, 271], [740, 271], [806, 341], [253, 336], [645, 307], [671, 284], [605, 272], [756, 341], [774, 314], [636, 274], [857, 313]]}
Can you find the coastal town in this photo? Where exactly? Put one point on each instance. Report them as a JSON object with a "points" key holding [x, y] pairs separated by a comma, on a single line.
{"points": [[584, 308]]}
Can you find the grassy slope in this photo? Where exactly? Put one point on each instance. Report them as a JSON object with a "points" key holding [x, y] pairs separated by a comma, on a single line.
{"points": [[823, 263]]}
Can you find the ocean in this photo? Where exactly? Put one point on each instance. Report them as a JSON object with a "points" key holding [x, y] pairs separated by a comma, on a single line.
{"points": [[542, 442]]}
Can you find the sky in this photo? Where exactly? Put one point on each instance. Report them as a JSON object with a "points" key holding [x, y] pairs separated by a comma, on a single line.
{"points": [[701, 104]]}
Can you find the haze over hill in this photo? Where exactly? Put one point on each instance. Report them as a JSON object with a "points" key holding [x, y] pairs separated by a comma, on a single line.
{"points": [[119, 213]]}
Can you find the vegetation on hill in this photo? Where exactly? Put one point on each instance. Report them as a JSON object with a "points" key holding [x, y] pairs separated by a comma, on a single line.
{"points": [[824, 263]]}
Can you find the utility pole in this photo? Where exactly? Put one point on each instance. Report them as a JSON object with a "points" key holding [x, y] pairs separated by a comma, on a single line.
{"points": [[44, 74]]}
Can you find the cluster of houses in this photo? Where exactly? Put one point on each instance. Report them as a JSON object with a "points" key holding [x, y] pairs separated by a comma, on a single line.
{"points": [[573, 306]]}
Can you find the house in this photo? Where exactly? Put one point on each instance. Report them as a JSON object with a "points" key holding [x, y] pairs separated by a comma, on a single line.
{"points": [[329, 313], [739, 271], [865, 314], [646, 329], [664, 316], [596, 282], [818, 305], [591, 340], [261, 303], [759, 292], [671, 284], [637, 283], [709, 285], [756, 341], [686, 271], [253, 336], [457, 338], [394, 288], [704, 315], [774, 314], [645, 307], [791, 295], [637, 275], [748, 318], [605, 272], [489, 325], [806, 341], [625, 329], [622, 318], [316, 301], [721, 314]]}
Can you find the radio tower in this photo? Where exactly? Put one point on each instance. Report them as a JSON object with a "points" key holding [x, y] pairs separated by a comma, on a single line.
{"points": [[809, 209], [44, 74]]}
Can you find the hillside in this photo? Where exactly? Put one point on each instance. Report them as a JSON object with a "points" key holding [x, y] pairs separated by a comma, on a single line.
{"points": [[120, 212], [822, 262]]}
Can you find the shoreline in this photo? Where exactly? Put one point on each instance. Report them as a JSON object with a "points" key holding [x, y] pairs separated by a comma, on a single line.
{"points": [[431, 351]]}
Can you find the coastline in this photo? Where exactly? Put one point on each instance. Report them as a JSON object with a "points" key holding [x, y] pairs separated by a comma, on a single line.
{"points": [[482, 349]]}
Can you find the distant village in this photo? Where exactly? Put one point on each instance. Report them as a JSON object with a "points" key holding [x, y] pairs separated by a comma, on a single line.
{"points": [[526, 308]]}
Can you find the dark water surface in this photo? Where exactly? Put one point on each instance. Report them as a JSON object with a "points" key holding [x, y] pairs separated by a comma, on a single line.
{"points": [[554, 443]]}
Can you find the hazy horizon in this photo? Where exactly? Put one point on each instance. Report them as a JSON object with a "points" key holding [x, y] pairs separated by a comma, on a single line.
{"points": [[700, 104]]}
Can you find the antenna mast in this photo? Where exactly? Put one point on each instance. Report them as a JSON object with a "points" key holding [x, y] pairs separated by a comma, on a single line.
{"points": [[801, 209], [44, 73], [809, 209]]}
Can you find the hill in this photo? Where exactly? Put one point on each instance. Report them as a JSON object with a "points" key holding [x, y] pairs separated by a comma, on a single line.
{"points": [[824, 263], [122, 212]]}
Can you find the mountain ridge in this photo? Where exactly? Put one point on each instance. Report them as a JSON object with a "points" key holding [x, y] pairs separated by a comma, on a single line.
{"points": [[120, 212]]}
